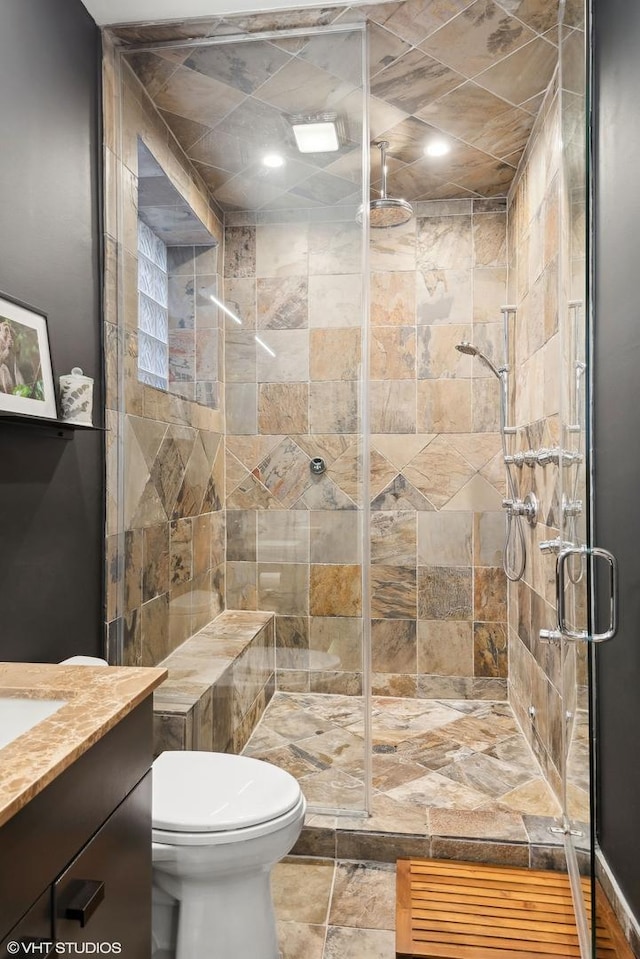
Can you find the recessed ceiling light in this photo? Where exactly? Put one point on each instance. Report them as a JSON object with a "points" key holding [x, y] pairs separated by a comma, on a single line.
{"points": [[273, 160], [437, 148], [316, 137]]}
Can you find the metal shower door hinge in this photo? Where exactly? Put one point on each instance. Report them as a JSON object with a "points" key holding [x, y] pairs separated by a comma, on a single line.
{"points": [[565, 831]]}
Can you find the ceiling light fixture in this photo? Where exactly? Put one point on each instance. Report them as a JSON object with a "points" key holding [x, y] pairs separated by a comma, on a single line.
{"points": [[273, 160], [437, 148], [316, 134]]}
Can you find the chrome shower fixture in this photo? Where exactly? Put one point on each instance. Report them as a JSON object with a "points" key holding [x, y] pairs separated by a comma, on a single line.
{"points": [[514, 556], [386, 210], [470, 350]]}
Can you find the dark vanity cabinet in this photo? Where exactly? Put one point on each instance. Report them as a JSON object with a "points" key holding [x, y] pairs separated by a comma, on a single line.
{"points": [[75, 862], [35, 927]]}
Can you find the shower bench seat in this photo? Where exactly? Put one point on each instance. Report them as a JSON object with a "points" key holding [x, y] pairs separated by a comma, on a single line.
{"points": [[220, 681]]}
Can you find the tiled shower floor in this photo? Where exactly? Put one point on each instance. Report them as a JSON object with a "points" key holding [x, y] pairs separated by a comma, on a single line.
{"points": [[444, 771]]}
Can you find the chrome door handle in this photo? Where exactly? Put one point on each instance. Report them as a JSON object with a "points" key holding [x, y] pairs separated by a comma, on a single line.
{"points": [[561, 563]]}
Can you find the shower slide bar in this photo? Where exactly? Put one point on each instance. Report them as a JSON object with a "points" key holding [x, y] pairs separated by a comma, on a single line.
{"points": [[516, 509]]}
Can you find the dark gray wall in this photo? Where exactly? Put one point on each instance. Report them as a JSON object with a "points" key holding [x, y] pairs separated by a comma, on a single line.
{"points": [[51, 490], [617, 425]]}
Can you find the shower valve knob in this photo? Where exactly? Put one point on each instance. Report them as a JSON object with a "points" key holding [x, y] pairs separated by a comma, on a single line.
{"points": [[528, 507]]}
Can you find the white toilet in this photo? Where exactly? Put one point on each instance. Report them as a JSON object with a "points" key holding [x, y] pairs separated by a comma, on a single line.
{"points": [[84, 661], [220, 823]]}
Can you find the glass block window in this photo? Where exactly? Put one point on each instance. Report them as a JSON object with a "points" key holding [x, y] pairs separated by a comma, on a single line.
{"points": [[153, 314]]}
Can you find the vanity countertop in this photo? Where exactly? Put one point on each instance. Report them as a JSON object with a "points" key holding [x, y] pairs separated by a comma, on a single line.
{"points": [[96, 699]]}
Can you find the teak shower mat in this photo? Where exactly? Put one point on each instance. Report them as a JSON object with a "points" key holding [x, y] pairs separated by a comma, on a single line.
{"points": [[466, 910]]}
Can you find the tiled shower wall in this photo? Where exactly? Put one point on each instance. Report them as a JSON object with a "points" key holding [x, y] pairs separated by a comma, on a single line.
{"points": [[436, 483], [194, 343], [536, 669], [165, 524], [294, 539], [438, 588]]}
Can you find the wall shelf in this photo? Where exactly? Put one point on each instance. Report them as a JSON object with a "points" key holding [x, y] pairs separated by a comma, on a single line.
{"points": [[43, 424]]}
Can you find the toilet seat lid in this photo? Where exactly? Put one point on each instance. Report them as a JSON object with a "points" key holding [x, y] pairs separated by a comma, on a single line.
{"points": [[214, 792]]}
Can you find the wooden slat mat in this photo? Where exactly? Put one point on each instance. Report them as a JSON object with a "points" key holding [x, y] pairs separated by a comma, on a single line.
{"points": [[465, 910]]}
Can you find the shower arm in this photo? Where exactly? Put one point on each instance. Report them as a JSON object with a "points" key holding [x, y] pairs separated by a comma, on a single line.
{"points": [[382, 146]]}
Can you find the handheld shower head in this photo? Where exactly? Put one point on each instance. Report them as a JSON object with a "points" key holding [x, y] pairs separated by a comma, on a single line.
{"points": [[467, 348], [470, 350]]}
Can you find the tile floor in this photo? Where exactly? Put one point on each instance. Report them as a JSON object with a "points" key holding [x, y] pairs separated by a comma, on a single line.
{"points": [[450, 778], [335, 910]]}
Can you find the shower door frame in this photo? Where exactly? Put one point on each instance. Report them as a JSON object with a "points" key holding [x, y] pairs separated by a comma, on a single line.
{"points": [[577, 418]]}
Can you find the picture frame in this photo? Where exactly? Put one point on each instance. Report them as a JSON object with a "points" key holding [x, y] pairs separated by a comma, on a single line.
{"points": [[27, 386]]}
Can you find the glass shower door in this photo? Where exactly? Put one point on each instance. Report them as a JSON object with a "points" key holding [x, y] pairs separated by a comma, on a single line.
{"points": [[297, 356], [579, 623], [574, 462], [272, 130]]}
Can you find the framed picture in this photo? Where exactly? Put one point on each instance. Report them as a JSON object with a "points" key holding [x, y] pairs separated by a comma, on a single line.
{"points": [[26, 376]]}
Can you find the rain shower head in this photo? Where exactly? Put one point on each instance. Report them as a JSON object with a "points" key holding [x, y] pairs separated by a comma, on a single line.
{"points": [[470, 350], [389, 211], [386, 210]]}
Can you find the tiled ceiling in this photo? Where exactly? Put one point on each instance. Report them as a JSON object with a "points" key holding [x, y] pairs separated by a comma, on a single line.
{"points": [[474, 72]]}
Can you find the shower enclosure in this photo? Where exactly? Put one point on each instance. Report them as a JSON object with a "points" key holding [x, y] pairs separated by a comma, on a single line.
{"points": [[348, 387]]}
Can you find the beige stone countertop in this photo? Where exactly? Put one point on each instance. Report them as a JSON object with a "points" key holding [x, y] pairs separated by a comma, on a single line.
{"points": [[96, 699]]}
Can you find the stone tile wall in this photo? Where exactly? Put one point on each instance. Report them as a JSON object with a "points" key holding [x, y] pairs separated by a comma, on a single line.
{"points": [[536, 669], [165, 522], [292, 393], [438, 589], [195, 345], [436, 483], [220, 681]]}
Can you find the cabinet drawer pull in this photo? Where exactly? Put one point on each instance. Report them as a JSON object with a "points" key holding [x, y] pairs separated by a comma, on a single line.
{"points": [[86, 898]]}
